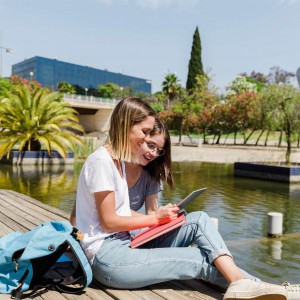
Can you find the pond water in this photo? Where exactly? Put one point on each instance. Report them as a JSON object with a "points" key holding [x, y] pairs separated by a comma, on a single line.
{"points": [[241, 206]]}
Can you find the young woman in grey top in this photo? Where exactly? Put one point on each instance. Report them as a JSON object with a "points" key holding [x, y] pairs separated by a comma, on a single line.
{"points": [[145, 179]]}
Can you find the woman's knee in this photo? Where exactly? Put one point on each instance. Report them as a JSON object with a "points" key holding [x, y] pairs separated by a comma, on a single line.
{"points": [[198, 217]]}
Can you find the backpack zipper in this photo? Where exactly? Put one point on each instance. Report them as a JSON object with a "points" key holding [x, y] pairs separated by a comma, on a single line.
{"points": [[16, 257]]}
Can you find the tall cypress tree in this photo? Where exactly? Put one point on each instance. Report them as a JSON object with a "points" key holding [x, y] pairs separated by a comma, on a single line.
{"points": [[195, 64]]}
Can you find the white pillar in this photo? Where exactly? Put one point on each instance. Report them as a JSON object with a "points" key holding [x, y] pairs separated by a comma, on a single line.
{"points": [[275, 224]]}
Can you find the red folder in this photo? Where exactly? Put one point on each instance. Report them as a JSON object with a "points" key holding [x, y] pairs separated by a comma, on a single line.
{"points": [[156, 231]]}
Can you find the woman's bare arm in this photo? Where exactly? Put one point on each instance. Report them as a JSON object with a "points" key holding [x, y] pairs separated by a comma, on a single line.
{"points": [[111, 222], [151, 204]]}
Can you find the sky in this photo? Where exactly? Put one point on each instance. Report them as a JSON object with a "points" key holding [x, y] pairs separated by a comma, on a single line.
{"points": [[151, 38]]}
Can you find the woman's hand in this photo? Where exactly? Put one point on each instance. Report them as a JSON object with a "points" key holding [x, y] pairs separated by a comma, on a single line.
{"points": [[167, 213]]}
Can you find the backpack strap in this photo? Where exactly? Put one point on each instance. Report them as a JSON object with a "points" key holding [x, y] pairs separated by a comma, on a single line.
{"points": [[82, 260]]}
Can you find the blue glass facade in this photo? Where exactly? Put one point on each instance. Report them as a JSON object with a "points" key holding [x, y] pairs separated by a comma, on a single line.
{"points": [[49, 72]]}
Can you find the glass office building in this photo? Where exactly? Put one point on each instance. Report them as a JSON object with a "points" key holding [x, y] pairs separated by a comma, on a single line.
{"points": [[49, 72]]}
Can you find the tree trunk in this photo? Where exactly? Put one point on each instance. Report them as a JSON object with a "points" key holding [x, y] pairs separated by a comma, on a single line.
{"points": [[218, 138], [235, 133], [289, 143], [32, 145], [262, 132], [214, 139], [266, 140], [226, 138], [248, 137], [204, 136], [280, 138], [180, 130]]}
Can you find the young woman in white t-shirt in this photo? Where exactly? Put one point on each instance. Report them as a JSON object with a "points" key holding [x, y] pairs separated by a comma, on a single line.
{"points": [[103, 214]]}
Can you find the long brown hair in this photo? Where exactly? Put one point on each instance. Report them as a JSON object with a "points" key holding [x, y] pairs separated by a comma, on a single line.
{"points": [[127, 113], [161, 167]]}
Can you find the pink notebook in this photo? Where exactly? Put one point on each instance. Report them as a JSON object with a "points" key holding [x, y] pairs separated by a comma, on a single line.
{"points": [[156, 231]]}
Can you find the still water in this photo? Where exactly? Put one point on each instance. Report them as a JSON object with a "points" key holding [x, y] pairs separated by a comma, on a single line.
{"points": [[241, 206]]}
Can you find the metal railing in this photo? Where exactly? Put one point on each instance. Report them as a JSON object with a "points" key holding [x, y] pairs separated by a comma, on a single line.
{"points": [[91, 100]]}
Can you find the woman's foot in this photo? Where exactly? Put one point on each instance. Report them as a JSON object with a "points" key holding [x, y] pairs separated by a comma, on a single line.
{"points": [[293, 291], [250, 289]]}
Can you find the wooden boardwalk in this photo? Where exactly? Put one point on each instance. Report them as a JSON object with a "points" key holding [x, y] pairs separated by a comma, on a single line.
{"points": [[22, 213]]}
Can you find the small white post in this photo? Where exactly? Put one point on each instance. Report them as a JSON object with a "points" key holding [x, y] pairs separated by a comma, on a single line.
{"points": [[274, 224], [215, 221]]}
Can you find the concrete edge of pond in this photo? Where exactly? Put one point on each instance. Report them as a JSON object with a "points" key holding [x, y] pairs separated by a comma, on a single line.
{"points": [[273, 172]]}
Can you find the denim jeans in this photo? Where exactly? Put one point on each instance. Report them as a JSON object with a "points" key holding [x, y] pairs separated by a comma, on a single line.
{"points": [[167, 257]]}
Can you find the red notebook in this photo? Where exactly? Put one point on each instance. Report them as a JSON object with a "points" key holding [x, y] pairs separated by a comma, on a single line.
{"points": [[156, 231]]}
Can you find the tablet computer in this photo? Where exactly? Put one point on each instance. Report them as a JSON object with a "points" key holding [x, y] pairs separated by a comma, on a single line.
{"points": [[193, 195]]}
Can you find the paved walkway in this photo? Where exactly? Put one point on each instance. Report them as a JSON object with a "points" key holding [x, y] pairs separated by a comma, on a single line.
{"points": [[231, 154]]}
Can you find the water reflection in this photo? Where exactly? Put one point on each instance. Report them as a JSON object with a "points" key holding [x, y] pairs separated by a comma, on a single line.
{"points": [[241, 206], [275, 249], [51, 184]]}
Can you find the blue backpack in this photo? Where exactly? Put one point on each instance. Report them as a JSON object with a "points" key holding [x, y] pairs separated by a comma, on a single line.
{"points": [[48, 257]]}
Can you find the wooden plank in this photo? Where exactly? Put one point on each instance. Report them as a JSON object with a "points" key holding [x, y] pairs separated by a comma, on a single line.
{"points": [[197, 289], [5, 297], [123, 294], [51, 295], [169, 294], [81, 296], [18, 216], [19, 209], [97, 294], [4, 229], [146, 294], [11, 224], [46, 207], [30, 208], [118, 294]]}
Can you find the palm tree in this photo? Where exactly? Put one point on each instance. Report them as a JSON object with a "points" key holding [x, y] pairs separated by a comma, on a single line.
{"points": [[38, 119], [171, 87]]}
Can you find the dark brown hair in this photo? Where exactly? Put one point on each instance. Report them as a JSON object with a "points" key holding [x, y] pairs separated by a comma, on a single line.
{"points": [[161, 167]]}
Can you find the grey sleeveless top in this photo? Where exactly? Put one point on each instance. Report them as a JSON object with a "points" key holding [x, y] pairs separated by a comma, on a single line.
{"points": [[145, 186]]}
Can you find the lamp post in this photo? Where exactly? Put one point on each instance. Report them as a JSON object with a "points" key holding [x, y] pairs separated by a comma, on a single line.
{"points": [[31, 75], [86, 90], [7, 50]]}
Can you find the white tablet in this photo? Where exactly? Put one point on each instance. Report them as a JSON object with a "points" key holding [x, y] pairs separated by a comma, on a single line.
{"points": [[193, 195]]}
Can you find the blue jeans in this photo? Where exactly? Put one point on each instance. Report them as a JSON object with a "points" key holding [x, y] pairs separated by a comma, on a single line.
{"points": [[168, 257]]}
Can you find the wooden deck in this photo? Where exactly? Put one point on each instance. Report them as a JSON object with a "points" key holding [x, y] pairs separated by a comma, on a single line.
{"points": [[22, 213]]}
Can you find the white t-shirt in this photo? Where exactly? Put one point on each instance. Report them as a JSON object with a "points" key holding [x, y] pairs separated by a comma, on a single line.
{"points": [[98, 173]]}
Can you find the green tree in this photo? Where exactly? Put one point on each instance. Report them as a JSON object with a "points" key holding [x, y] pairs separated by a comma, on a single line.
{"points": [[171, 88], [238, 112], [109, 90], [241, 85], [186, 109], [195, 63], [32, 120], [65, 87], [5, 85], [285, 100]]}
